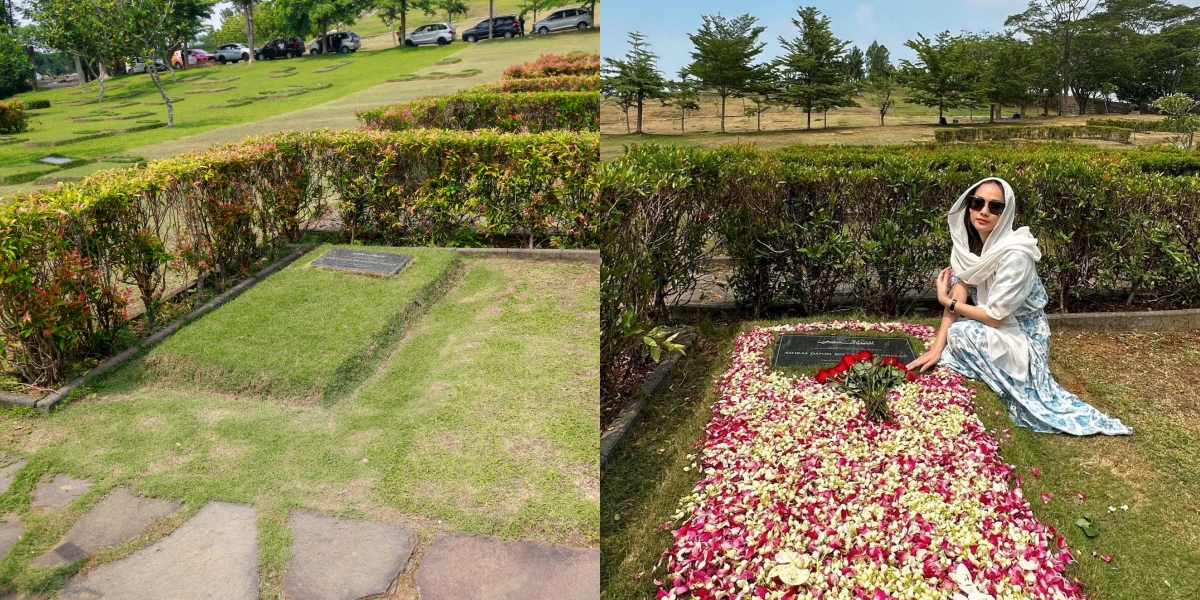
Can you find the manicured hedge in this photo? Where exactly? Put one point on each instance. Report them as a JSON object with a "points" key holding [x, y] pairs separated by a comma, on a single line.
{"points": [[530, 112], [37, 104], [65, 253], [13, 118], [549, 65], [558, 83], [1034, 132], [804, 224], [1138, 125]]}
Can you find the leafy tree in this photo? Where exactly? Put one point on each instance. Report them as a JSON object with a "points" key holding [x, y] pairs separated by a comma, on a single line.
{"points": [[452, 7], [878, 60], [15, 68], [724, 54], [145, 29], [936, 79], [879, 89], [1180, 110], [533, 6], [683, 95], [76, 26], [810, 69], [1060, 22], [636, 76], [765, 94], [852, 64]]}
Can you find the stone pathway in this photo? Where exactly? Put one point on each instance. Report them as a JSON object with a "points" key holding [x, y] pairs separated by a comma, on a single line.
{"points": [[214, 555], [117, 518], [465, 567], [340, 559]]}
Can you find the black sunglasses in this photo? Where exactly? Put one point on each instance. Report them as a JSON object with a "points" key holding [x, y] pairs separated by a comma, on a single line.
{"points": [[996, 207]]}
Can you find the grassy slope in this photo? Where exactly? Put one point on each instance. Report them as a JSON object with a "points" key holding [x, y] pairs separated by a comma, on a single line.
{"points": [[1154, 472], [192, 115], [512, 350], [287, 335]]}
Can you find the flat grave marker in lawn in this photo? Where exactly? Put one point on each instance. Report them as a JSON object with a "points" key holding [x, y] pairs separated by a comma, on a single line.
{"points": [[796, 349], [375, 263]]}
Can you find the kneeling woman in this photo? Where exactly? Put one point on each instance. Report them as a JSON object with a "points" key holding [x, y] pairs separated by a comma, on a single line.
{"points": [[1004, 339]]}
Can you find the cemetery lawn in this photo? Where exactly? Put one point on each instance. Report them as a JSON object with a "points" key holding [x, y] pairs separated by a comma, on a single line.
{"points": [[304, 331], [480, 420], [1147, 379]]}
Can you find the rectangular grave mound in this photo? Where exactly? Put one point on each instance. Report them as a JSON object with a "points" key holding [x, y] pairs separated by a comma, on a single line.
{"points": [[362, 261], [799, 350]]}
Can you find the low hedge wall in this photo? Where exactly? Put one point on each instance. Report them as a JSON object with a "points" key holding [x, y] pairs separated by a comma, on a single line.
{"points": [[530, 112], [37, 104], [68, 256], [1034, 132], [558, 83], [549, 65], [804, 223], [1137, 125]]}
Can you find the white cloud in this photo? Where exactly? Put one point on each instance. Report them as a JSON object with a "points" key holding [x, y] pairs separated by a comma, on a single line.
{"points": [[864, 15]]}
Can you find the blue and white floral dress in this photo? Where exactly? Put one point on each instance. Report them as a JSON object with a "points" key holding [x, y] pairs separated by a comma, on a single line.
{"points": [[1037, 402]]}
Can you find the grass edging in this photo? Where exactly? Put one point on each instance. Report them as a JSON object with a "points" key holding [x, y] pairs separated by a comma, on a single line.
{"points": [[587, 256], [47, 403], [611, 438], [358, 366]]}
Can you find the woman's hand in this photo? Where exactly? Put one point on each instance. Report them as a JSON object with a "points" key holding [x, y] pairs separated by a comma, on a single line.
{"points": [[943, 286], [928, 360]]}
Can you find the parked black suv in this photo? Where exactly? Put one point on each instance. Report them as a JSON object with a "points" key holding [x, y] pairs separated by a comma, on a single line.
{"points": [[505, 26], [280, 48]]}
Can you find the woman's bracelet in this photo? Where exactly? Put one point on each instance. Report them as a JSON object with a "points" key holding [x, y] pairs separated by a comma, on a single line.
{"points": [[952, 303]]}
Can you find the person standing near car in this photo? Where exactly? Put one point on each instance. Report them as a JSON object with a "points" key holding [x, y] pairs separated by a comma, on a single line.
{"points": [[521, 20]]}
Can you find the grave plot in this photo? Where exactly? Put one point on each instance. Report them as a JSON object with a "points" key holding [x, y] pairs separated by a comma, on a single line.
{"points": [[304, 333]]}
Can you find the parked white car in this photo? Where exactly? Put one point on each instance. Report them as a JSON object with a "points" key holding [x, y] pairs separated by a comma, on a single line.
{"points": [[137, 66], [233, 53], [568, 18], [434, 33], [341, 42]]}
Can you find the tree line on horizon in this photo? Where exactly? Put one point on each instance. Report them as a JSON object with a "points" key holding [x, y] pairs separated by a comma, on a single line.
{"points": [[1092, 50]]}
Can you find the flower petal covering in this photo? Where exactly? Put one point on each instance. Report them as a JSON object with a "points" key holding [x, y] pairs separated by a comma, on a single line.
{"points": [[802, 496]]}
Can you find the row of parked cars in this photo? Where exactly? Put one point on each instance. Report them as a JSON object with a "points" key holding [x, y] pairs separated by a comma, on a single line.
{"points": [[506, 26]]}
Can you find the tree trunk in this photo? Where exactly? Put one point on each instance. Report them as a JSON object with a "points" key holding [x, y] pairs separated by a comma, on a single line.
{"points": [[248, 9], [639, 113], [808, 117], [103, 76], [682, 113], [170, 109], [33, 82], [723, 113], [79, 70], [991, 113], [491, 19], [324, 36], [881, 112], [403, 19], [183, 57], [758, 113], [392, 26], [825, 119]]}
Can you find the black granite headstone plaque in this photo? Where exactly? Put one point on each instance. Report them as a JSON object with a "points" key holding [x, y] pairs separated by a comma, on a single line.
{"points": [[375, 263], [796, 349]]}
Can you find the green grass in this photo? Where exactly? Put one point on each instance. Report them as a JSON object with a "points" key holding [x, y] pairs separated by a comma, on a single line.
{"points": [[1147, 380], [298, 334], [365, 69], [481, 421]]}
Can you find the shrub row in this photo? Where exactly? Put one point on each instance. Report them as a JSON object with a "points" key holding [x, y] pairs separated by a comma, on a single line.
{"points": [[805, 224], [71, 257], [1035, 132], [557, 83], [1138, 125], [37, 104], [13, 118], [525, 112], [549, 65]]}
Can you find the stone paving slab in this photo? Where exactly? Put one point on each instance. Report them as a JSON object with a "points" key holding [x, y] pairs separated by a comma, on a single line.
{"points": [[213, 556], [9, 474], [342, 559], [49, 496], [10, 531], [464, 567], [117, 518]]}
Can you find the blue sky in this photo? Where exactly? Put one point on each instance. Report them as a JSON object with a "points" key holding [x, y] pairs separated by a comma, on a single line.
{"points": [[890, 23]]}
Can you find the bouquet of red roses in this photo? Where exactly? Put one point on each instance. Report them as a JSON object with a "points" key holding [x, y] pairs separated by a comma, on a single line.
{"points": [[868, 378]]}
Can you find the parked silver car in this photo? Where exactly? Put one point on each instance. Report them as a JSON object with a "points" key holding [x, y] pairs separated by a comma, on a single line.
{"points": [[341, 42], [434, 33], [232, 53], [567, 18]]}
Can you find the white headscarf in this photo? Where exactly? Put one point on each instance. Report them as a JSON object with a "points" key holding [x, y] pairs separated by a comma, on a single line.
{"points": [[1007, 345], [976, 270]]}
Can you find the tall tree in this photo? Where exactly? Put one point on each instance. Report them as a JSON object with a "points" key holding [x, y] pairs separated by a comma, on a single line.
{"points": [[684, 95], [76, 26], [810, 69], [391, 10], [1061, 22], [636, 75], [724, 54], [936, 79], [879, 89], [248, 13], [878, 60], [145, 29], [15, 67], [852, 65], [452, 7]]}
